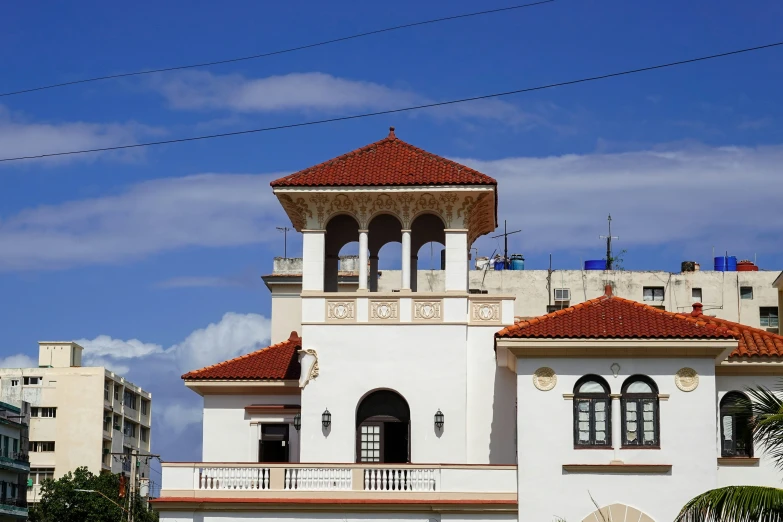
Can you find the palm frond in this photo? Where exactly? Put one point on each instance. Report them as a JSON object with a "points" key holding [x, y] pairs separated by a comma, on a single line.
{"points": [[735, 504], [767, 422]]}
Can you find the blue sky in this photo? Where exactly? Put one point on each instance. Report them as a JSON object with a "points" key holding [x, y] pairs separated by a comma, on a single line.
{"points": [[152, 257]]}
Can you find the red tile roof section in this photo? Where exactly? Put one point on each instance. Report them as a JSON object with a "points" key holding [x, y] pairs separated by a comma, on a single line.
{"points": [[389, 161], [278, 361], [610, 317], [753, 342]]}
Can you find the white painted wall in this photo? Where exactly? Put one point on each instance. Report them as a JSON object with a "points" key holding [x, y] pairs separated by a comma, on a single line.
{"points": [[491, 396], [231, 435], [426, 364], [545, 434]]}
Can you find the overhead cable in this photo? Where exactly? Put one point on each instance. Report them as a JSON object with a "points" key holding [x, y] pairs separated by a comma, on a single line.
{"points": [[403, 109], [273, 53]]}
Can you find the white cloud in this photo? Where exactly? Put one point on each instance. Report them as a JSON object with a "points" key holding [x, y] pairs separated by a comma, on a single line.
{"points": [[176, 417], [18, 360], [197, 282], [205, 210], [234, 335], [316, 91], [105, 345], [20, 136], [687, 197]]}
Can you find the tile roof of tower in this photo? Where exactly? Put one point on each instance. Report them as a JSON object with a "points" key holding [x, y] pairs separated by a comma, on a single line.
{"points": [[388, 162], [611, 317], [276, 362]]}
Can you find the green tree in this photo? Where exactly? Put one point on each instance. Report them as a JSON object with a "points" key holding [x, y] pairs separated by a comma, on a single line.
{"points": [[748, 503], [60, 502]]}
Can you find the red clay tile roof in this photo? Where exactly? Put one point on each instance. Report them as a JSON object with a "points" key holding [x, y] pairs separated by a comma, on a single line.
{"points": [[389, 161], [610, 317], [278, 361], [753, 342]]}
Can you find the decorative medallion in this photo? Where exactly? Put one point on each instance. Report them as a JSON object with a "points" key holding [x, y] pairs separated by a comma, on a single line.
{"points": [[340, 310], [544, 378], [426, 310], [686, 379], [383, 310], [485, 312]]}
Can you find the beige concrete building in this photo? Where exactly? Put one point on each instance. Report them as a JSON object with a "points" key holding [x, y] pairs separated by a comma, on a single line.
{"points": [[79, 416], [749, 298]]}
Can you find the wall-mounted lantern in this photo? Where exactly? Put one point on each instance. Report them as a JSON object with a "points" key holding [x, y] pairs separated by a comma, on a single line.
{"points": [[326, 418], [298, 421], [439, 419]]}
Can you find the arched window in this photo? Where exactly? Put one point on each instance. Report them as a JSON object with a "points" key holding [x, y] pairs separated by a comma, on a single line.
{"points": [[639, 406], [592, 413], [383, 428], [736, 434]]}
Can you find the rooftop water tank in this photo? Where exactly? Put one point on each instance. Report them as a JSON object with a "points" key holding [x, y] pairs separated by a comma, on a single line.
{"points": [[517, 262], [595, 264], [499, 263], [747, 265], [726, 264], [482, 263]]}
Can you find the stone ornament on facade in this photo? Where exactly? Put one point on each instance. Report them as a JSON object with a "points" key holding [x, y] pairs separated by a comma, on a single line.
{"points": [[686, 379], [426, 310], [384, 310], [340, 310], [309, 362], [473, 210], [544, 378], [485, 312]]}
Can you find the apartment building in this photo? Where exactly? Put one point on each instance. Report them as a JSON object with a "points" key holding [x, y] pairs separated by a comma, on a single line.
{"points": [[79, 416], [749, 298], [14, 462]]}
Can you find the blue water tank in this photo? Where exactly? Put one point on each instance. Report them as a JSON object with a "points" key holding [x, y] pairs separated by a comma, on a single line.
{"points": [[731, 264], [595, 264], [726, 264], [517, 262], [500, 263]]}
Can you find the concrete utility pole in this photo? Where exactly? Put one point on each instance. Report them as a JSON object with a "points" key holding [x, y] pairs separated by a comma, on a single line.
{"points": [[134, 461]]}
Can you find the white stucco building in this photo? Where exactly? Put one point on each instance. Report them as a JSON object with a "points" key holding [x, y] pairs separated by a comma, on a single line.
{"points": [[416, 402], [79, 415]]}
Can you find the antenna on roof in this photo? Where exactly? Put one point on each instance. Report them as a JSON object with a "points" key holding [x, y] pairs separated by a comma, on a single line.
{"points": [[505, 235], [609, 244], [284, 230]]}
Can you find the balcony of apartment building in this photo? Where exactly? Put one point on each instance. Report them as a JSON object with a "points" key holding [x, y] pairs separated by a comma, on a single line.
{"points": [[13, 508], [15, 461]]}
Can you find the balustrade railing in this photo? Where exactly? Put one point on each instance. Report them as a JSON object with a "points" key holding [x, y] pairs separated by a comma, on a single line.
{"points": [[378, 479], [233, 478], [392, 479], [318, 479]]}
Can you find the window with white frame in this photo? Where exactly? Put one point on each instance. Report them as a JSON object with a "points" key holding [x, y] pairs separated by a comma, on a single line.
{"points": [[43, 412], [696, 296], [653, 293], [33, 381], [41, 446], [562, 294], [38, 475], [746, 292], [768, 317]]}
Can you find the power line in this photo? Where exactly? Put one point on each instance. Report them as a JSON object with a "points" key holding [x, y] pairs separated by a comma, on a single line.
{"points": [[404, 109], [282, 51]]}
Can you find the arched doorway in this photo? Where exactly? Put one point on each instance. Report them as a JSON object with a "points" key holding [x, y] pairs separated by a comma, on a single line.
{"points": [[383, 428], [618, 513]]}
